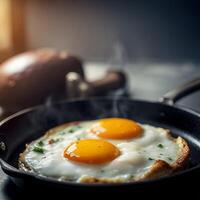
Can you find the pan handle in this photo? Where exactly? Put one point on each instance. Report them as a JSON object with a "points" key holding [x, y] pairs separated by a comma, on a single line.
{"points": [[174, 95]]}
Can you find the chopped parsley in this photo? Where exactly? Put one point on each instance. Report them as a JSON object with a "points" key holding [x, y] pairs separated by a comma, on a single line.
{"points": [[160, 146], [169, 158], [40, 143], [150, 158], [38, 149], [73, 129], [102, 171], [131, 176]]}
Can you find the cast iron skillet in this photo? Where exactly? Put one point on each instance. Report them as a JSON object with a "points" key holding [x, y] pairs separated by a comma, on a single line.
{"points": [[29, 124]]}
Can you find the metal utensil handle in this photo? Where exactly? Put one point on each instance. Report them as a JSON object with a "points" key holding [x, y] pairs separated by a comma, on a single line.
{"points": [[174, 95], [112, 81]]}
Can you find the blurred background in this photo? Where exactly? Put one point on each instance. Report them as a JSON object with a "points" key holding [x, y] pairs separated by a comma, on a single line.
{"points": [[157, 42], [148, 30]]}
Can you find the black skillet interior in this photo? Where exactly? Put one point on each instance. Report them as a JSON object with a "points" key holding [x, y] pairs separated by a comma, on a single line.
{"points": [[29, 125]]}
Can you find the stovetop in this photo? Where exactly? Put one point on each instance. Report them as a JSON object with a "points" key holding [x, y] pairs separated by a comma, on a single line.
{"points": [[146, 81]]}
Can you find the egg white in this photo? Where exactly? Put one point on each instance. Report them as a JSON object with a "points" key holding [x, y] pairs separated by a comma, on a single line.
{"points": [[137, 154]]}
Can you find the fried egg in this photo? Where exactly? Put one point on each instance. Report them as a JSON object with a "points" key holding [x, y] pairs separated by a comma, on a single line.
{"points": [[105, 150]]}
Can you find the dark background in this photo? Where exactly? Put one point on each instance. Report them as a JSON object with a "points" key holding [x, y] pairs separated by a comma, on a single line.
{"points": [[154, 30]]}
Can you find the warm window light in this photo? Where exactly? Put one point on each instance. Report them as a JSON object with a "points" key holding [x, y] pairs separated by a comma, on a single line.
{"points": [[5, 24]]}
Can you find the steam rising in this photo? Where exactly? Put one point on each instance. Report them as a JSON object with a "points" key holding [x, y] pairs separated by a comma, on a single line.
{"points": [[119, 57], [119, 61]]}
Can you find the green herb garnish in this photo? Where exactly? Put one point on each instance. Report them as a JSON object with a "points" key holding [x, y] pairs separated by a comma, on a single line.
{"points": [[73, 129], [169, 158], [160, 146], [38, 149], [40, 143], [131, 176], [150, 158]]}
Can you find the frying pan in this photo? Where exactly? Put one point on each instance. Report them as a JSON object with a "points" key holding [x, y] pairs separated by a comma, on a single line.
{"points": [[29, 124]]}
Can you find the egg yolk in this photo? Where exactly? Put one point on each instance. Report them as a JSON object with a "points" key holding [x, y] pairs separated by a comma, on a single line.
{"points": [[116, 128], [91, 151]]}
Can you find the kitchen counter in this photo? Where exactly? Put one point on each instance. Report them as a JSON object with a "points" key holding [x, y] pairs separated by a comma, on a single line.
{"points": [[146, 81]]}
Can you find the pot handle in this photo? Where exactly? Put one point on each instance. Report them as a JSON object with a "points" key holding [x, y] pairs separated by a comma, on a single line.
{"points": [[179, 92], [76, 87]]}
